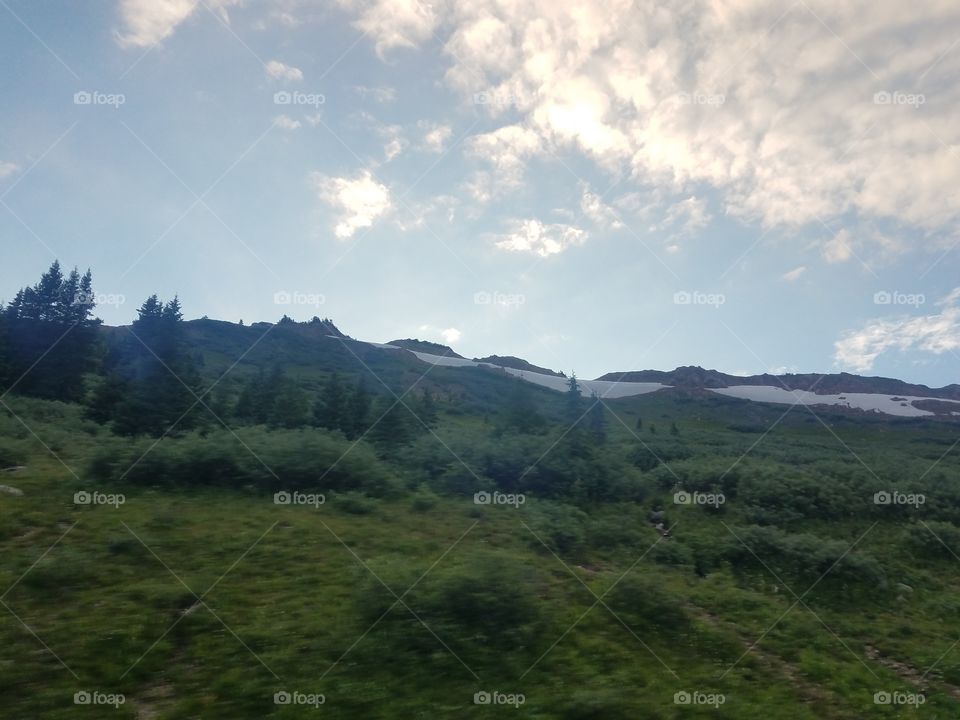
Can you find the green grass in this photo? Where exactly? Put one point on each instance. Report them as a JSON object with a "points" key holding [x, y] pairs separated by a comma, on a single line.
{"points": [[294, 598]]}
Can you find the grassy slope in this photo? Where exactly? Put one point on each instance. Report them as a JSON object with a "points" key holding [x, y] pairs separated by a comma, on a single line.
{"points": [[302, 601]]}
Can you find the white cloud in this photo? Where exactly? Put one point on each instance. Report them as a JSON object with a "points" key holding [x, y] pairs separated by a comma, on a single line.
{"points": [[535, 237], [506, 150], [794, 274], [937, 333], [280, 71], [771, 106], [438, 208], [838, 248], [8, 168], [378, 94], [361, 201], [395, 143], [285, 122], [393, 23], [435, 139], [600, 213], [448, 335], [148, 22], [687, 217]]}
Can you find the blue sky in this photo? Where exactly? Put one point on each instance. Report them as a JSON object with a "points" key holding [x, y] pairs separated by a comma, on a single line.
{"points": [[745, 186]]}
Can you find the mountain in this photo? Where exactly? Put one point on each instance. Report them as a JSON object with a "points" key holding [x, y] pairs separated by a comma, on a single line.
{"points": [[509, 361], [311, 350], [425, 346], [822, 384]]}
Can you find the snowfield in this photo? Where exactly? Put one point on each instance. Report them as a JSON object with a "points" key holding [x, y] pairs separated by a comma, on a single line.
{"points": [[603, 388], [875, 402]]}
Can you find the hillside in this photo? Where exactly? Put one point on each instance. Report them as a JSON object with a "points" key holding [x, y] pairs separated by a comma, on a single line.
{"points": [[822, 384], [228, 515]]}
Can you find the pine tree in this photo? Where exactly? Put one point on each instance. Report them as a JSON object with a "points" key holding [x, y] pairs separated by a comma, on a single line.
{"points": [[573, 400], [358, 411], [332, 407], [395, 426], [162, 374], [427, 409], [50, 338], [521, 412], [291, 408], [597, 418]]}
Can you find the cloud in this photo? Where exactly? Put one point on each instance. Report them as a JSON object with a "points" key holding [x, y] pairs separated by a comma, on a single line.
{"points": [[148, 22], [535, 237], [794, 274], [360, 201], [937, 333], [8, 168], [393, 23], [770, 106], [838, 249], [280, 71], [285, 122], [379, 94], [687, 217], [394, 143], [448, 335], [438, 208], [506, 150], [435, 139], [594, 208]]}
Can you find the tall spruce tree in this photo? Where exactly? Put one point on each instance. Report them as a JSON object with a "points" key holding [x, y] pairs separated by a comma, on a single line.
{"points": [[50, 338], [160, 372]]}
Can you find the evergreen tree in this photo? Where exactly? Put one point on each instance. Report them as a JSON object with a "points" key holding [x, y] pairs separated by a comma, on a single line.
{"points": [[639, 423], [332, 409], [291, 408], [50, 337], [521, 412], [674, 430], [573, 400], [597, 418], [161, 373], [358, 410], [395, 426], [427, 409]]}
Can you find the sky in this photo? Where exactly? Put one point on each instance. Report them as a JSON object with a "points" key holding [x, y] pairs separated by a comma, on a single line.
{"points": [[594, 187]]}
